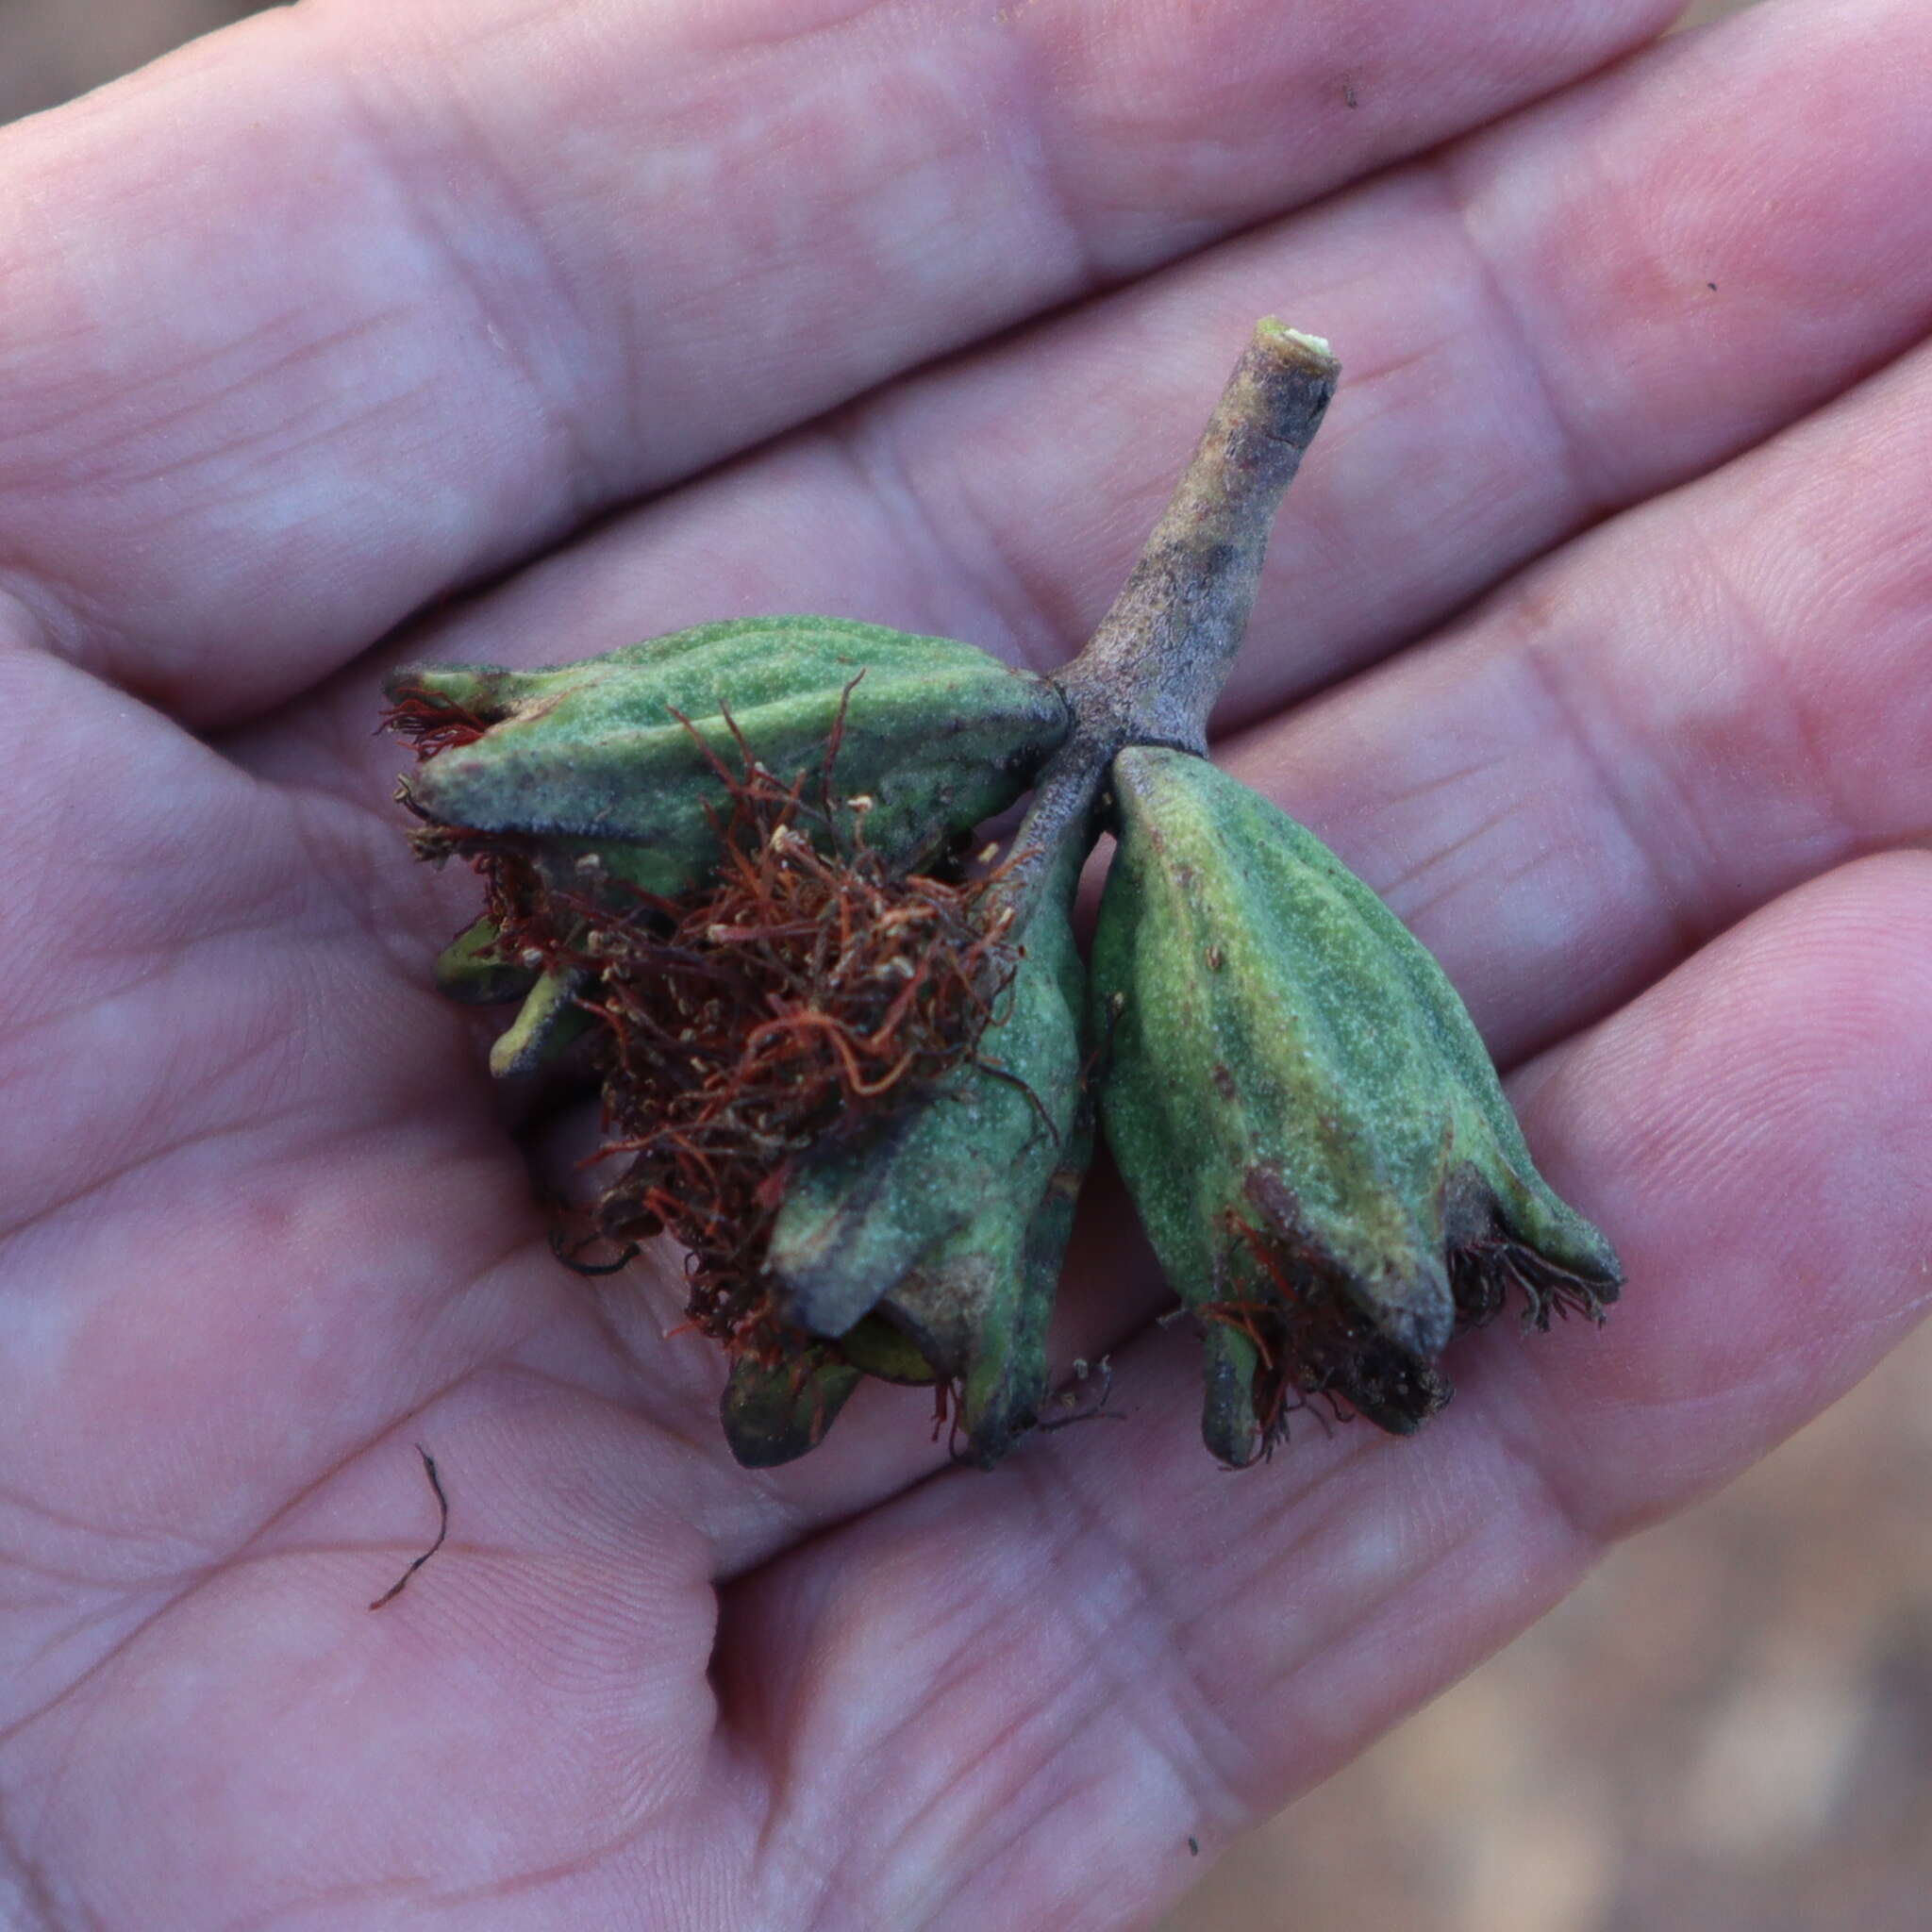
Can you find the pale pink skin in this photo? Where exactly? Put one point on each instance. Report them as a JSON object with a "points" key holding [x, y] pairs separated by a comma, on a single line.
{"points": [[354, 307]]}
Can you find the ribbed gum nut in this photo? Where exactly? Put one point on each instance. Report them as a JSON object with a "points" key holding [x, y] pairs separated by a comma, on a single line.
{"points": [[977, 1307], [975, 1313], [1312, 1130], [860, 1216], [934, 735]]}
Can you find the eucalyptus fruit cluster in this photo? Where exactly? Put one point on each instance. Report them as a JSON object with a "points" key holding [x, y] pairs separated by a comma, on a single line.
{"points": [[855, 1065]]}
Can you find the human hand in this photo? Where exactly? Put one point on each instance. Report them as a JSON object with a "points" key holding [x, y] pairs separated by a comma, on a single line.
{"points": [[350, 309]]}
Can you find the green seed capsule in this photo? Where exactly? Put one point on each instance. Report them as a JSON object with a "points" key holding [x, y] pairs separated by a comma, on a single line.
{"points": [[615, 755], [975, 1314], [950, 1217], [976, 1309], [1314, 1132], [546, 1023], [878, 1349]]}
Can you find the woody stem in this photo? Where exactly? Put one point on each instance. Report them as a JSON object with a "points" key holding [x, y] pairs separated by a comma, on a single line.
{"points": [[1153, 670], [1158, 662]]}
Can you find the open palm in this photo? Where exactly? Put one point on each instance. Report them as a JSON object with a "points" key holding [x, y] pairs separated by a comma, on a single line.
{"points": [[1610, 573]]}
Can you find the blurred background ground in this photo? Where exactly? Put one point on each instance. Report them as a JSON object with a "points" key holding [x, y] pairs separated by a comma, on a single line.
{"points": [[1728, 1726]]}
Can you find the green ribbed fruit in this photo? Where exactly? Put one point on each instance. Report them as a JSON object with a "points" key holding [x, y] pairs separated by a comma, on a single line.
{"points": [[1312, 1130], [948, 1217], [976, 1309], [614, 755]]}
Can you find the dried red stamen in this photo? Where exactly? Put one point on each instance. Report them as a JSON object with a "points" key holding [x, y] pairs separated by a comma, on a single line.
{"points": [[431, 724], [1312, 1344], [801, 991]]}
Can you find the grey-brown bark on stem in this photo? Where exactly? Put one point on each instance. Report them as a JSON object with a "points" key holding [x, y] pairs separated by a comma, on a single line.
{"points": [[1155, 667], [1158, 662]]}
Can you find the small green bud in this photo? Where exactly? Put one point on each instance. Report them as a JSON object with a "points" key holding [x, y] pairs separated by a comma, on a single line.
{"points": [[973, 1315], [619, 758], [777, 1414], [471, 972], [1311, 1127], [546, 1023], [887, 1354]]}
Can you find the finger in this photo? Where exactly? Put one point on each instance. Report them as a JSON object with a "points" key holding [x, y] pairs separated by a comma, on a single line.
{"points": [[1111, 1644], [1528, 340], [183, 946], [342, 309]]}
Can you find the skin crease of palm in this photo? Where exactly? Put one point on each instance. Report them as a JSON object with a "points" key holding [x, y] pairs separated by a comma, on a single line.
{"points": [[1597, 634]]}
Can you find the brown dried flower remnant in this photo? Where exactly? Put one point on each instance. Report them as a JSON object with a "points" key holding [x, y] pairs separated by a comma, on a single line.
{"points": [[776, 1012]]}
